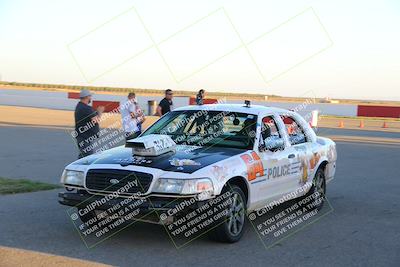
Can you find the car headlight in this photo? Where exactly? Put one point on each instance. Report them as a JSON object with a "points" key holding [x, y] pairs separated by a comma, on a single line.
{"points": [[182, 186], [73, 177]]}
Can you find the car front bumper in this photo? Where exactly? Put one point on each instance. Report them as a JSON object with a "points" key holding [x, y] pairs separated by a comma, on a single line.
{"points": [[151, 203]]}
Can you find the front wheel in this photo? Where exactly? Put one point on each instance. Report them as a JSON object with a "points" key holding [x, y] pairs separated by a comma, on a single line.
{"points": [[232, 227]]}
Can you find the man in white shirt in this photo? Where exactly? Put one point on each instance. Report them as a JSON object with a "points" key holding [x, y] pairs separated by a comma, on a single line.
{"points": [[132, 117]]}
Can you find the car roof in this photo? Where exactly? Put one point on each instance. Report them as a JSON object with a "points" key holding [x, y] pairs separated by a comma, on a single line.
{"points": [[253, 109]]}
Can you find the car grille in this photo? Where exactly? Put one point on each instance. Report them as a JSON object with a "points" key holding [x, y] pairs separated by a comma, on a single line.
{"points": [[102, 180]]}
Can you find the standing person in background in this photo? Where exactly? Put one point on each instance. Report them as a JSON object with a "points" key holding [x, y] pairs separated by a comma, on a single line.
{"points": [[166, 103], [86, 124], [132, 117], [200, 97], [140, 117]]}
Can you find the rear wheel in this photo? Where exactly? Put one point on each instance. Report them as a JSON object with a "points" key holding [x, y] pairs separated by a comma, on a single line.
{"points": [[232, 227], [318, 188]]}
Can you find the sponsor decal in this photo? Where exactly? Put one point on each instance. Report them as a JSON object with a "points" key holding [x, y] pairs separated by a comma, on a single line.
{"points": [[226, 169], [307, 163], [135, 160], [283, 170], [278, 171], [183, 162], [304, 174], [314, 160], [220, 172], [140, 160], [254, 165]]}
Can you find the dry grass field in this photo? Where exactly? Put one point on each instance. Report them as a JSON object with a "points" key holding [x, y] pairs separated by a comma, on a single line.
{"points": [[12, 257]]}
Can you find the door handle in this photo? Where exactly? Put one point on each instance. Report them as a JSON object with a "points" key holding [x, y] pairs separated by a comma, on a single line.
{"points": [[291, 156]]}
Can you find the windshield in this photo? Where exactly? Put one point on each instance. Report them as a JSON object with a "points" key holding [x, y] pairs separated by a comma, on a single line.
{"points": [[207, 128]]}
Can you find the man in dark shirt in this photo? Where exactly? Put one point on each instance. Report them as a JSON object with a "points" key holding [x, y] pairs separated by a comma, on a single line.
{"points": [[166, 104], [200, 97], [86, 124]]}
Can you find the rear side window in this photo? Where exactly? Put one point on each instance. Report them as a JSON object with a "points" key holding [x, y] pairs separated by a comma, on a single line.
{"points": [[269, 128], [296, 133]]}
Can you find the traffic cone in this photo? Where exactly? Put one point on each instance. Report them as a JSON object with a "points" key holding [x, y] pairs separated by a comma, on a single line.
{"points": [[361, 124], [341, 124], [385, 125]]}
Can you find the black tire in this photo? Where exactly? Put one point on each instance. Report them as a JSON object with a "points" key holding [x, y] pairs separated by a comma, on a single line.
{"points": [[235, 219], [318, 187]]}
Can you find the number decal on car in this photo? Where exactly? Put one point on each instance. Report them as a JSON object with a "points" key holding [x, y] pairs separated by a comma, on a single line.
{"points": [[254, 165]]}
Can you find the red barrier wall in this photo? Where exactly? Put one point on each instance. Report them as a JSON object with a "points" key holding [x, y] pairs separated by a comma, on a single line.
{"points": [[378, 111], [108, 105], [192, 101], [73, 95]]}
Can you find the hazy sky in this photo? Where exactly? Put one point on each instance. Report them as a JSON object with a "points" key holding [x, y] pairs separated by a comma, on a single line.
{"points": [[334, 48]]}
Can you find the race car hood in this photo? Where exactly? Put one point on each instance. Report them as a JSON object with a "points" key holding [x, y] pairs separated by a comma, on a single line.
{"points": [[185, 159]]}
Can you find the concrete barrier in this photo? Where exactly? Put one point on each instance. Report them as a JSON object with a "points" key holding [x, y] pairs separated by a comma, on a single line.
{"points": [[67, 101], [378, 111]]}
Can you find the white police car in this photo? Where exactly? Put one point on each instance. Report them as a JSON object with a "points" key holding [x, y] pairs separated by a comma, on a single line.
{"points": [[258, 153]]}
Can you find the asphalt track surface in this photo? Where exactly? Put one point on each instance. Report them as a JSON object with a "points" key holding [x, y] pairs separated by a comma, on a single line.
{"points": [[362, 230]]}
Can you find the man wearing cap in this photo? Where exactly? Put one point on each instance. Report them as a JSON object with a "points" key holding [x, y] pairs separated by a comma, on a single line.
{"points": [[86, 124]]}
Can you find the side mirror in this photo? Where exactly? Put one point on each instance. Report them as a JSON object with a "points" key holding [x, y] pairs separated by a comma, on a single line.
{"points": [[272, 144]]}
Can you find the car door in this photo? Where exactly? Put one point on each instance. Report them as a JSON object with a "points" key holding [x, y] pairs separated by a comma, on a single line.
{"points": [[278, 162], [301, 146]]}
